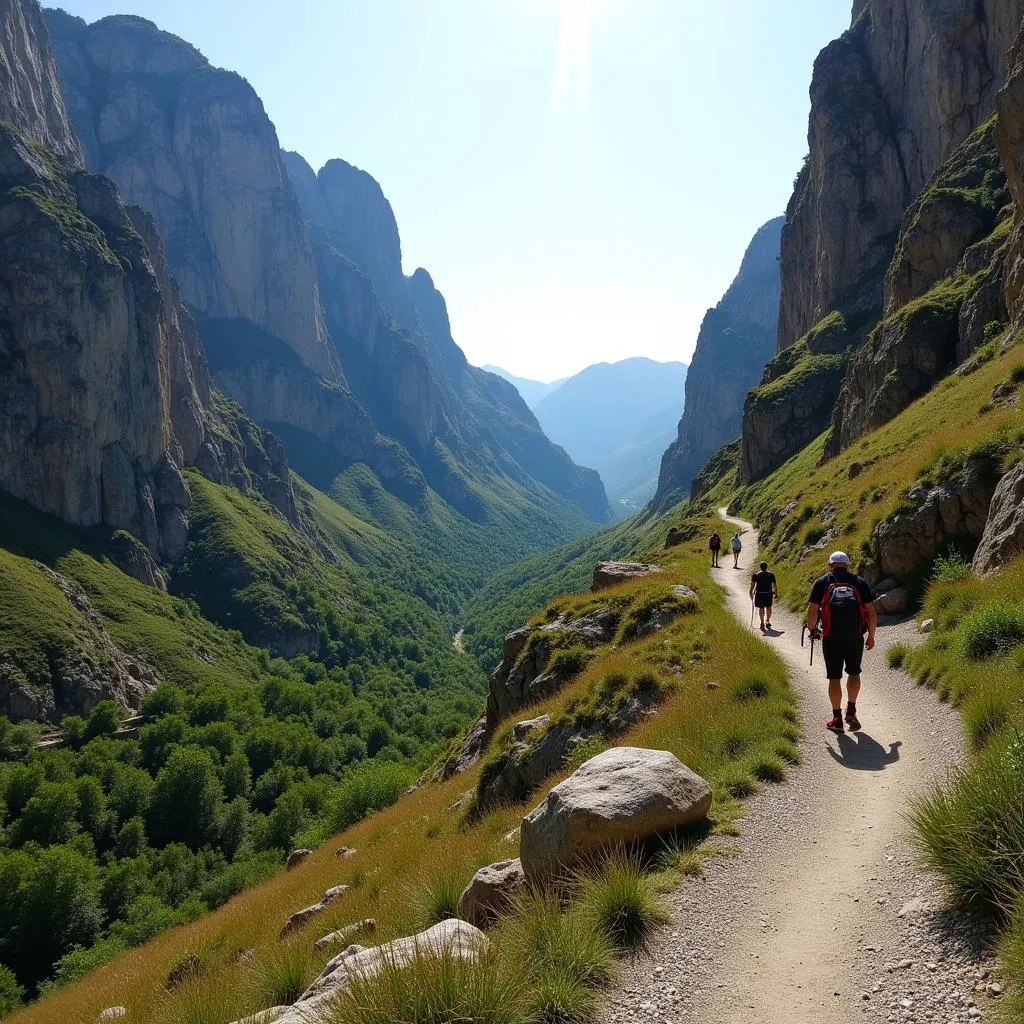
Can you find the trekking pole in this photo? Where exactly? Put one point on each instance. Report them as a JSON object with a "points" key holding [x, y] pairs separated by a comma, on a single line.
{"points": [[751, 613]]}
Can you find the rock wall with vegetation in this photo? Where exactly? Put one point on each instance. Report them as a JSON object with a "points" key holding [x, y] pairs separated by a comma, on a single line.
{"points": [[902, 192]]}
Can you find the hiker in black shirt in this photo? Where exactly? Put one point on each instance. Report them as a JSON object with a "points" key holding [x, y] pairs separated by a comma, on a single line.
{"points": [[763, 592], [841, 613]]}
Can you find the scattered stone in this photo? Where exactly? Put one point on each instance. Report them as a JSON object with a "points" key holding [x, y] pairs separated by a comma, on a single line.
{"points": [[927, 626], [624, 796], [893, 602], [451, 938], [344, 852], [295, 858], [113, 1013], [714, 686], [608, 574], [300, 917], [491, 892], [343, 936]]}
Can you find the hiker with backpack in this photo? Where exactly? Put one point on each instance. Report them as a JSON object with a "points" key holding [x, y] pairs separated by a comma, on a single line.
{"points": [[737, 546], [714, 546], [841, 613], [764, 591]]}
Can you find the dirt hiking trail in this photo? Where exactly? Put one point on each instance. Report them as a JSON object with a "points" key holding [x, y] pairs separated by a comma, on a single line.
{"points": [[824, 917]]}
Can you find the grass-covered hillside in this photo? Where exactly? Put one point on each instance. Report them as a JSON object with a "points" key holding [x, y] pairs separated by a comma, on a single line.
{"points": [[304, 676], [808, 506], [413, 859]]}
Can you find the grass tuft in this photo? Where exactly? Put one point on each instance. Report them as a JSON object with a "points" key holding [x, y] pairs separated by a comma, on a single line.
{"points": [[622, 901], [438, 899], [280, 974], [897, 655]]}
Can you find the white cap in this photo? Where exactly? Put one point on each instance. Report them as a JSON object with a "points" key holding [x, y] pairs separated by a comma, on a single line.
{"points": [[839, 558]]}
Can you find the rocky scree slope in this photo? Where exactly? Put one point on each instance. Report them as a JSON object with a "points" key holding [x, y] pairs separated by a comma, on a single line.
{"points": [[736, 339], [891, 102]]}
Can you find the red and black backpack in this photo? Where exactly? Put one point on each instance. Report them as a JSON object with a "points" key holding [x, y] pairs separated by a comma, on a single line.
{"points": [[842, 609]]}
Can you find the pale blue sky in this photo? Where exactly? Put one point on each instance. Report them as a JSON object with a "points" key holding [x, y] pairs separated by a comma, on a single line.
{"points": [[580, 177]]}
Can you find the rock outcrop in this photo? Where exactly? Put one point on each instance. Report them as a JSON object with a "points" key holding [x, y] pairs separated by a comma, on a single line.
{"points": [[30, 95], [491, 892], [906, 545], [83, 668], [621, 798], [302, 917], [452, 939], [610, 574], [942, 290], [1003, 536], [736, 339], [891, 100], [1010, 140]]}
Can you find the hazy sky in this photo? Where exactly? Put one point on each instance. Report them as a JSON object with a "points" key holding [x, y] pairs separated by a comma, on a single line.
{"points": [[580, 177]]}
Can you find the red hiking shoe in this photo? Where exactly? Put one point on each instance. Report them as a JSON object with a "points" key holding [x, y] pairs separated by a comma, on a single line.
{"points": [[835, 724]]}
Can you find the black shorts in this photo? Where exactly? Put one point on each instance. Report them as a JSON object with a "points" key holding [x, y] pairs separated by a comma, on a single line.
{"points": [[840, 652], [763, 600]]}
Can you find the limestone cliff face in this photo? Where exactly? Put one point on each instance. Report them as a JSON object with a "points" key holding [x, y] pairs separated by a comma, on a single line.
{"points": [[30, 96], [1010, 140], [893, 101], [736, 339], [394, 341], [193, 146], [890, 102]]}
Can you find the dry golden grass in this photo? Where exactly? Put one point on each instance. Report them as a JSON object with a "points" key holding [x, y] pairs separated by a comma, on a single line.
{"points": [[720, 732]]}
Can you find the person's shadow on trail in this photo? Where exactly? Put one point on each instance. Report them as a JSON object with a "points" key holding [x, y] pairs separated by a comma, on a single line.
{"points": [[773, 631], [863, 753]]}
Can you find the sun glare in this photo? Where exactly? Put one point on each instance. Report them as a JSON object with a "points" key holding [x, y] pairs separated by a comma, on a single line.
{"points": [[572, 76]]}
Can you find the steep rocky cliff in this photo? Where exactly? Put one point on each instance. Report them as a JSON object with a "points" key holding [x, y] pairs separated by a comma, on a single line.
{"points": [[892, 102], [736, 339], [394, 339]]}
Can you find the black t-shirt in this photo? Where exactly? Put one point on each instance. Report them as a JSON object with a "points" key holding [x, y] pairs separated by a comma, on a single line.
{"points": [[840, 576], [764, 582]]}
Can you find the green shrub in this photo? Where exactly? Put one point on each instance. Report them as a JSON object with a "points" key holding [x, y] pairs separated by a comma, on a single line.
{"points": [[366, 788], [280, 974], [579, 756], [11, 993], [897, 655], [435, 990], [971, 830], [621, 901], [993, 628], [952, 567], [813, 534]]}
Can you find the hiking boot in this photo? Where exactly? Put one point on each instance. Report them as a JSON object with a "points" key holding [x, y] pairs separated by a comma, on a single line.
{"points": [[852, 721], [835, 724]]}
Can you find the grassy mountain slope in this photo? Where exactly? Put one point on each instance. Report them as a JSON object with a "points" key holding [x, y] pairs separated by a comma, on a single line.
{"points": [[282, 751], [413, 859]]}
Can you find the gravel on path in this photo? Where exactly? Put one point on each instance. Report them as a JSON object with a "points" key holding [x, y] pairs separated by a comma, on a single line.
{"points": [[824, 914]]}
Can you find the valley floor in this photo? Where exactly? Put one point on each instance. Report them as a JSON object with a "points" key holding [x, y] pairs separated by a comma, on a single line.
{"points": [[824, 916]]}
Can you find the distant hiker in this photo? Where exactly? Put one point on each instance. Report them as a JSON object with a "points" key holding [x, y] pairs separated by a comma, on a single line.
{"points": [[841, 611], [737, 546], [764, 591], [714, 546]]}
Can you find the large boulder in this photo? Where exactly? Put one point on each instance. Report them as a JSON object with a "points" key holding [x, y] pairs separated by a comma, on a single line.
{"points": [[1003, 537], [491, 892], [622, 797], [451, 938], [608, 574]]}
